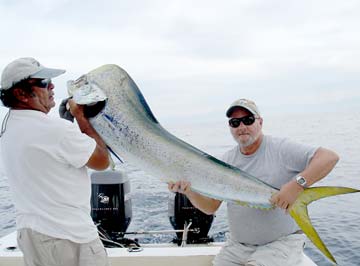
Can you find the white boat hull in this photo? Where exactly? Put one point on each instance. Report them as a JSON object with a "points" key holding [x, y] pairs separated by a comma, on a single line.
{"points": [[149, 255]]}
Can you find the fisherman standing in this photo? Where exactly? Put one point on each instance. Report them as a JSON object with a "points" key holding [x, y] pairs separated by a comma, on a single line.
{"points": [[45, 159], [259, 237]]}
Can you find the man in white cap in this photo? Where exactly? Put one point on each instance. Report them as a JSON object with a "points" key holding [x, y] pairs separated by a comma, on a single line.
{"points": [[45, 159], [257, 237]]}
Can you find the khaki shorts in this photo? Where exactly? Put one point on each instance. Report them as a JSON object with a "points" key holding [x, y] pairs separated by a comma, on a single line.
{"points": [[286, 251], [43, 250]]}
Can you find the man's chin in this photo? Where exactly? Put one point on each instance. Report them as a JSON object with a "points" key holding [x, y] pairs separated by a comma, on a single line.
{"points": [[244, 144], [52, 105]]}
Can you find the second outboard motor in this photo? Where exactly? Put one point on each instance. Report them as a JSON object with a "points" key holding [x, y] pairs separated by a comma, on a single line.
{"points": [[111, 206], [182, 213]]}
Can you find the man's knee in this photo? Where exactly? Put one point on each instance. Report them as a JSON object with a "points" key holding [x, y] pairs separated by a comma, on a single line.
{"points": [[221, 261], [254, 263]]}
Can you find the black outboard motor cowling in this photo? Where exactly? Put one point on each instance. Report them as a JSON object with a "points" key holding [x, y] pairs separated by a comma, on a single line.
{"points": [[181, 213], [110, 203]]}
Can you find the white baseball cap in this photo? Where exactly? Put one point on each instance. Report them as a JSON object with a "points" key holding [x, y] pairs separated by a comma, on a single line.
{"points": [[24, 68], [243, 103]]}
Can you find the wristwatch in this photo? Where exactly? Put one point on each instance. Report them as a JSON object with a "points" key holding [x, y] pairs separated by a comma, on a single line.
{"points": [[301, 181]]}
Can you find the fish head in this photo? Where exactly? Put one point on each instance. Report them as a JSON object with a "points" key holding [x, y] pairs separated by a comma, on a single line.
{"points": [[85, 92], [110, 90]]}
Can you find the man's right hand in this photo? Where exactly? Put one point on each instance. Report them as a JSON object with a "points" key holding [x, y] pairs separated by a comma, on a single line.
{"points": [[76, 110], [99, 159], [203, 203], [183, 187]]}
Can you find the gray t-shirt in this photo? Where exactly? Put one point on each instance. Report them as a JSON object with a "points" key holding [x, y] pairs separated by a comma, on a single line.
{"points": [[276, 162]]}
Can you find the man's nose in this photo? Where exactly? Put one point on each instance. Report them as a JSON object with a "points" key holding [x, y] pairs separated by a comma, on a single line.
{"points": [[51, 86], [242, 125]]}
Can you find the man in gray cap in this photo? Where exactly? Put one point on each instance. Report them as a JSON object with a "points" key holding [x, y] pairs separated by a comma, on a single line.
{"points": [[45, 159], [258, 237]]}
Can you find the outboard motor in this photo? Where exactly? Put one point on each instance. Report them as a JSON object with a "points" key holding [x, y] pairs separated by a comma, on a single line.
{"points": [[182, 213], [111, 206]]}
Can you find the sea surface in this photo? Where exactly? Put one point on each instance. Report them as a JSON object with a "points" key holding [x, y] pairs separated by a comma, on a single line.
{"points": [[337, 219]]}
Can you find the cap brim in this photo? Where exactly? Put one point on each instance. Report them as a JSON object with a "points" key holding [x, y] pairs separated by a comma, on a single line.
{"points": [[231, 110], [47, 73]]}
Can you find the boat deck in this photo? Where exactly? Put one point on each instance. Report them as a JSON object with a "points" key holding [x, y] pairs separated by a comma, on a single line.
{"points": [[149, 255]]}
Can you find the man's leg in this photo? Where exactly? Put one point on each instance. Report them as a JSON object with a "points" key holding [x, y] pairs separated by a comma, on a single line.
{"points": [[93, 254], [42, 250], [233, 254], [282, 252], [26, 245]]}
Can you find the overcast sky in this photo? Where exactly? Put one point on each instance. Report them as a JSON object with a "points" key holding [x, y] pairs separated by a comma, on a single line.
{"points": [[191, 59]]}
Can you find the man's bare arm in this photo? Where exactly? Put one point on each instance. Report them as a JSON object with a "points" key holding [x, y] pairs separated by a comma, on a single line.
{"points": [[205, 204], [99, 159]]}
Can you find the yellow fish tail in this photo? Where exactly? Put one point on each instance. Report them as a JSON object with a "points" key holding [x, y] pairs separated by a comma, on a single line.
{"points": [[300, 213]]}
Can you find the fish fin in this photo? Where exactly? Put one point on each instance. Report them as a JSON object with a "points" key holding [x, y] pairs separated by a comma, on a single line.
{"points": [[112, 164], [113, 153], [258, 206], [300, 213]]}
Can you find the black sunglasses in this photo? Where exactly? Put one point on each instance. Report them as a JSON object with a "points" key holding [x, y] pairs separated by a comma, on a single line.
{"points": [[41, 83], [247, 121]]}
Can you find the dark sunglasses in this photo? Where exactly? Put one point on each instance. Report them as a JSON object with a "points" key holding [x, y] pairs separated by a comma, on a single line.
{"points": [[41, 83], [247, 121]]}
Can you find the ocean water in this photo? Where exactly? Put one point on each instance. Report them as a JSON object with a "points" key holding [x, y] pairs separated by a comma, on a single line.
{"points": [[337, 219]]}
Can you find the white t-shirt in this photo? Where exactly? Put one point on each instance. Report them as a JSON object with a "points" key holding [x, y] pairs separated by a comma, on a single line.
{"points": [[44, 158], [276, 162]]}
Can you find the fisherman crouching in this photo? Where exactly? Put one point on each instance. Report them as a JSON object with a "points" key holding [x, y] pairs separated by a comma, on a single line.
{"points": [[264, 237]]}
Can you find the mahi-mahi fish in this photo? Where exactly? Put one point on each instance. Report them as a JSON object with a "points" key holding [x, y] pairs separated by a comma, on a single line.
{"points": [[119, 113]]}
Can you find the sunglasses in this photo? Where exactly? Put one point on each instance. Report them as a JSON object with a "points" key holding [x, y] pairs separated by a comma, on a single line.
{"points": [[41, 83], [247, 121]]}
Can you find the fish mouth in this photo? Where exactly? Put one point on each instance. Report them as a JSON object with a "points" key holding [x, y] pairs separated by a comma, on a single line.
{"points": [[88, 94], [94, 110]]}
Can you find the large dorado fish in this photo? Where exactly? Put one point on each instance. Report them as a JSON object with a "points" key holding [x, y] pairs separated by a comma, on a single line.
{"points": [[120, 114]]}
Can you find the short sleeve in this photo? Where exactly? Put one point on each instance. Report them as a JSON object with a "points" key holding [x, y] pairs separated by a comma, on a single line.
{"points": [[295, 156], [76, 147]]}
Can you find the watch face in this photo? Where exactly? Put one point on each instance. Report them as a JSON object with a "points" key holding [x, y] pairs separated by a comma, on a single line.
{"points": [[301, 181]]}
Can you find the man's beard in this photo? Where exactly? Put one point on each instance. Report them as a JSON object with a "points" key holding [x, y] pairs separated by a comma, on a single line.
{"points": [[249, 142]]}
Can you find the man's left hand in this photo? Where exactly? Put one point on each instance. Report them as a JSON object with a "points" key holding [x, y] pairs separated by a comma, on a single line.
{"points": [[287, 195], [64, 111]]}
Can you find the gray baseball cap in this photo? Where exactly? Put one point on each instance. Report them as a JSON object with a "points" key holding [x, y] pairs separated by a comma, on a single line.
{"points": [[24, 68], [243, 103]]}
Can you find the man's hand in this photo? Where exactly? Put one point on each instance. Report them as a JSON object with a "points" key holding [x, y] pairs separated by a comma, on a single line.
{"points": [[204, 204], [76, 110], [99, 159], [64, 110], [182, 187], [287, 195]]}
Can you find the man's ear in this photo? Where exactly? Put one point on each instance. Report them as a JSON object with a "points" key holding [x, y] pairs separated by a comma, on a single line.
{"points": [[21, 95]]}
